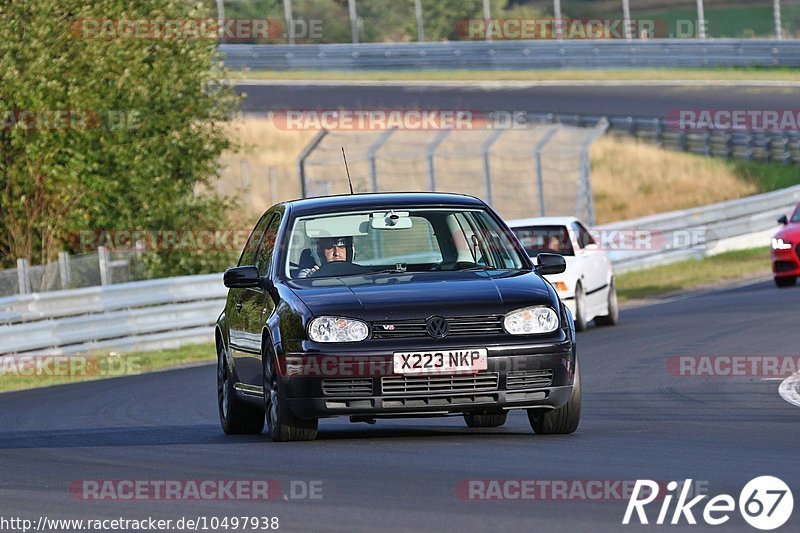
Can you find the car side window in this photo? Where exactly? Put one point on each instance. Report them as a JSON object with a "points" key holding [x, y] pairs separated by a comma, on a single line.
{"points": [[267, 247], [582, 234], [249, 252]]}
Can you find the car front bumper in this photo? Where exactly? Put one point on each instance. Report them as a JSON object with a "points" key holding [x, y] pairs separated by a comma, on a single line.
{"points": [[517, 377], [786, 263]]}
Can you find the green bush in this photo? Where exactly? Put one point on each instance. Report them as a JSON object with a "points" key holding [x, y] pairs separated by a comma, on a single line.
{"points": [[144, 129]]}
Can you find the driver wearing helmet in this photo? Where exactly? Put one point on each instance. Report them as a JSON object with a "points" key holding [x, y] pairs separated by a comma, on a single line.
{"points": [[330, 249]]}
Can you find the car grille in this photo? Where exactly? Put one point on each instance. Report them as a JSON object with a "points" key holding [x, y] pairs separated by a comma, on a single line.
{"points": [[528, 379], [347, 387], [459, 326], [444, 384], [784, 266], [797, 251]]}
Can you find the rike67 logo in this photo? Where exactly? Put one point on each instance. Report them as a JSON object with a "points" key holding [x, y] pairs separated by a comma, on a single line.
{"points": [[765, 503]]}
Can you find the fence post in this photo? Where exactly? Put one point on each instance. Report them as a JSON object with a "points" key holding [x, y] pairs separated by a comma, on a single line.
{"points": [[301, 160], [244, 164], [287, 13], [487, 172], [586, 180], [372, 152], [23, 276], [431, 150], [418, 14], [64, 269], [105, 271], [537, 155], [351, 5]]}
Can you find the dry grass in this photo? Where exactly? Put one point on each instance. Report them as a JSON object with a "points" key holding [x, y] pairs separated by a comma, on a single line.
{"points": [[632, 179], [629, 178], [267, 160]]}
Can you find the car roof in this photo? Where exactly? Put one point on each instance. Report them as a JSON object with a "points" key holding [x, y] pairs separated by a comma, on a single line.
{"points": [[542, 221], [321, 204]]}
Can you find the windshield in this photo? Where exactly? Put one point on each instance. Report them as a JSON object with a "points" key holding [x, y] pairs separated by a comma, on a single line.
{"points": [[403, 240], [550, 239], [796, 215]]}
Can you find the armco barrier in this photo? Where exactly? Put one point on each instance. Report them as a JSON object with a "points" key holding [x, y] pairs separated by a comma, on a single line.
{"points": [[512, 55], [723, 223], [168, 312], [129, 316]]}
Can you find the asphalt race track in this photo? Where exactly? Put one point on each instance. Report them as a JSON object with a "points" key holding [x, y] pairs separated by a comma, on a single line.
{"points": [[638, 422], [648, 100]]}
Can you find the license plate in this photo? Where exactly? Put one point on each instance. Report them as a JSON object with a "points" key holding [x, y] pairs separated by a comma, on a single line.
{"points": [[463, 361]]}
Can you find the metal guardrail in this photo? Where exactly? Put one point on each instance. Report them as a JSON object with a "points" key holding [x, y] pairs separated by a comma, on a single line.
{"points": [[511, 55], [136, 315], [777, 146], [168, 312], [717, 227]]}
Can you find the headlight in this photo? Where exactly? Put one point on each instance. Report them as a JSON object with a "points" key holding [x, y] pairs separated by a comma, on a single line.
{"points": [[780, 244], [337, 329], [531, 320]]}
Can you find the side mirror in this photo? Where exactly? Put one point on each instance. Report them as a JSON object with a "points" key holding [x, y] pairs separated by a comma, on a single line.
{"points": [[243, 277], [783, 220], [550, 264]]}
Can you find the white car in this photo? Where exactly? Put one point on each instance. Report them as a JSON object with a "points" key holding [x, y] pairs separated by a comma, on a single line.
{"points": [[587, 286]]}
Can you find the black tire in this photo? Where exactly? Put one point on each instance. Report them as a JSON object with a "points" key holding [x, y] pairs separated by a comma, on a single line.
{"points": [[787, 281], [580, 308], [235, 416], [559, 421], [485, 420], [612, 318], [282, 423]]}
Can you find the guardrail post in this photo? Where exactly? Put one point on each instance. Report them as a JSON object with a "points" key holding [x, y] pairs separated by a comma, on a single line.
{"points": [[105, 271], [372, 152], [431, 153], [537, 156], [64, 269], [301, 160], [23, 276], [487, 172]]}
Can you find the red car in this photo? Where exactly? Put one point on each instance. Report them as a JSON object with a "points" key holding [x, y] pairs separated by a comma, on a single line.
{"points": [[786, 250]]}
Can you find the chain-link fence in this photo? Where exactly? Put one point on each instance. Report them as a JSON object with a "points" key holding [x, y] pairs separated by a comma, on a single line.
{"points": [[102, 267], [535, 171]]}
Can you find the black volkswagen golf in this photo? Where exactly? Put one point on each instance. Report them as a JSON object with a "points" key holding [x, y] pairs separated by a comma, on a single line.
{"points": [[392, 305]]}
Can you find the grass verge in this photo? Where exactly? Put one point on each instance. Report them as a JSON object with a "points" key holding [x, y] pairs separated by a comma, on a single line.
{"points": [[21, 372], [693, 273], [662, 74]]}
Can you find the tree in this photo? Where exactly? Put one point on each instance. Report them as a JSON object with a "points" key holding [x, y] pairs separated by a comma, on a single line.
{"points": [[104, 129]]}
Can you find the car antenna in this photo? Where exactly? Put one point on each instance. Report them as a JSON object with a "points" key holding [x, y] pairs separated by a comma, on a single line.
{"points": [[344, 156]]}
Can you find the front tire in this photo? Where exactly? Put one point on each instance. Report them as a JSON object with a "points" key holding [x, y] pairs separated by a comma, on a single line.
{"points": [[559, 421], [787, 281], [235, 416], [580, 308], [283, 425], [485, 420], [612, 318]]}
